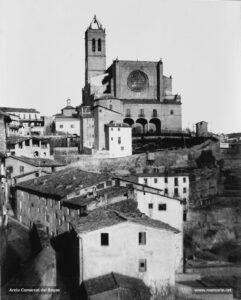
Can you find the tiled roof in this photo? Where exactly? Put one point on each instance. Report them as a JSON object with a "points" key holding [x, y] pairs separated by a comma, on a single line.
{"points": [[114, 281], [161, 174], [80, 201], [14, 109], [61, 183], [38, 162], [116, 214]]}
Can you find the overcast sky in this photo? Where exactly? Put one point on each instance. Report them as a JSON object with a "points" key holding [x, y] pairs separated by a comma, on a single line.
{"points": [[42, 51]]}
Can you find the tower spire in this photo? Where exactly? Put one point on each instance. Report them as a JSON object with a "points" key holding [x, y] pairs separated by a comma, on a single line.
{"points": [[95, 23]]}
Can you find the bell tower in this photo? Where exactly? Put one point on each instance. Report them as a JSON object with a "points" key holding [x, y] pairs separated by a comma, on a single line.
{"points": [[95, 54]]}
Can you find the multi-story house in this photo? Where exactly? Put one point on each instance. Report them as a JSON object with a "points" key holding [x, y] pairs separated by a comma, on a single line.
{"points": [[114, 239], [28, 146], [28, 120], [41, 199], [154, 204]]}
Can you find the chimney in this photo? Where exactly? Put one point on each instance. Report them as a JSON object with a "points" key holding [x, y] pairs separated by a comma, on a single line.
{"points": [[68, 102]]}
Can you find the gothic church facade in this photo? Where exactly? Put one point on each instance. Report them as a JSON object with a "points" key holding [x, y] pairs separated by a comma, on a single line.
{"points": [[136, 93]]}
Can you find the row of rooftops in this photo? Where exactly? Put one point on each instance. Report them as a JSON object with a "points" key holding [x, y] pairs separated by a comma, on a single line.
{"points": [[68, 180]]}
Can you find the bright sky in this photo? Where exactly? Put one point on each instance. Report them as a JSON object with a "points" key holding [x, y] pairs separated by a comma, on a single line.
{"points": [[42, 51]]}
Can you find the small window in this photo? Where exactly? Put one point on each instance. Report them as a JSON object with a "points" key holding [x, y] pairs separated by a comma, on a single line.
{"points": [[37, 174], [162, 206], [119, 140], [145, 180], [142, 238], [99, 44], [30, 116], [184, 179], [184, 190], [72, 125], [47, 218], [171, 112], [27, 143], [122, 148], [128, 112], [110, 106], [150, 206], [142, 265], [142, 112], [109, 183], [93, 45], [154, 113], [112, 138], [155, 180], [111, 128], [176, 194], [61, 126], [118, 128], [100, 186], [166, 191], [104, 239], [176, 181], [166, 180], [21, 169], [184, 216]]}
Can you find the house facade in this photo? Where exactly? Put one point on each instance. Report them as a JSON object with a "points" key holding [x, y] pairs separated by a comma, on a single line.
{"points": [[143, 255], [28, 146], [67, 122]]}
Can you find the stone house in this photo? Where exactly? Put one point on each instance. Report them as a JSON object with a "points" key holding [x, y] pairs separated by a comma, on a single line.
{"points": [[28, 146], [44, 199], [119, 238]]}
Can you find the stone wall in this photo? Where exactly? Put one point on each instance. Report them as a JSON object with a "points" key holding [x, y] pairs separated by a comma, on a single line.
{"points": [[136, 163]]}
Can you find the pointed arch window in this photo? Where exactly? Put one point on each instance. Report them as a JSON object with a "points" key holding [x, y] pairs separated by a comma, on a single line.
{"points": [[99, 44], [93, 45]]}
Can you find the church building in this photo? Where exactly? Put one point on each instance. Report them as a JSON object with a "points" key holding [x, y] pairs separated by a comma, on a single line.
{"points": [[136, 93]]}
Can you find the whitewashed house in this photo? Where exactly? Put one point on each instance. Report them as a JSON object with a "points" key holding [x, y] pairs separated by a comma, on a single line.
{"points": [[118, 139], [129, 243]]}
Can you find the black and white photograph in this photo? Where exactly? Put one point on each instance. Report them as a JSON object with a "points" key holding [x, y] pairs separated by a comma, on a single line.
{"points": [[120, 150]]}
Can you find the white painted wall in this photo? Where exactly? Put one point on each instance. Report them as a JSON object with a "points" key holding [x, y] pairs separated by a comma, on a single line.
{"points": [[123, 254], [173, 215], [119, 141], [159, 182], [68, 125]]}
